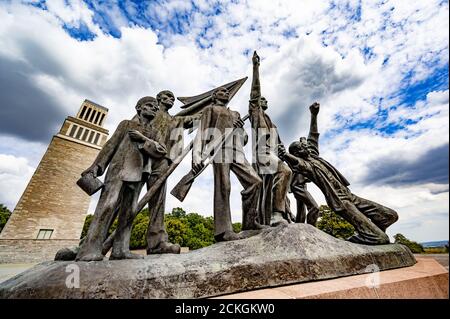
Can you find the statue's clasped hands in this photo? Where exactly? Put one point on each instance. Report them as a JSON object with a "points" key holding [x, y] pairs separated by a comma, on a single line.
{"points": [[160, 150], [156, 149], [282, 153], [238, 123], [136, 136]]}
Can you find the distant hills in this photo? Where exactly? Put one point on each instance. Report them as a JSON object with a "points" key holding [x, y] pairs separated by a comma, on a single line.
{"points": [[429, 244]]}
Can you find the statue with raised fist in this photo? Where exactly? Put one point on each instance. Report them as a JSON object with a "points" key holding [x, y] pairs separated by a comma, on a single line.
{"points": [[370, 219], [274, 173]]}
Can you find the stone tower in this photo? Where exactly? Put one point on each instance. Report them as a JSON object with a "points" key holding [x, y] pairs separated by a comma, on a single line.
{"points": [[51, 212]]}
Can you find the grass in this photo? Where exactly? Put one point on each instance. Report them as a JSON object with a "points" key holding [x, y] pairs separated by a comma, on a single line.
{"points": [[436, 250]]}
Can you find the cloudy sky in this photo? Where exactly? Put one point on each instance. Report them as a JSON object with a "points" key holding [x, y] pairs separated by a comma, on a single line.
{"points": [[378, 68]]}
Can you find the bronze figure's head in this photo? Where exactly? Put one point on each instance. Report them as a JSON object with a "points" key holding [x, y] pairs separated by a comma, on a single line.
{"points": [[165, 99], [263, 102], [147, 107], [221, 95], [299, 148]]}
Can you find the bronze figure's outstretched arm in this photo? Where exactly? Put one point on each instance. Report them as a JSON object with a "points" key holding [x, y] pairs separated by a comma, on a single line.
{"points": [[314, 109], [255, 92], [313, 137]]}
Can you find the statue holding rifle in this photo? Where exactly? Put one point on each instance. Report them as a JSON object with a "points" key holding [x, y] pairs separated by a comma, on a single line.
{"points": [[218, 118]]}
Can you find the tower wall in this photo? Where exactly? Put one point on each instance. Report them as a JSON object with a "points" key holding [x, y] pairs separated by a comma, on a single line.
{"points": [[50, 214], [52, 199]]}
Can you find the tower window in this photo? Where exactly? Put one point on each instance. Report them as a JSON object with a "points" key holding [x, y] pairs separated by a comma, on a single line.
{"points": [[87, 114], [97, 136], [72, 130], [92, 116], [101, 119], [83, 111], [97, 117], [44, 234], [85, 135], [80, 130], [91, 136]]}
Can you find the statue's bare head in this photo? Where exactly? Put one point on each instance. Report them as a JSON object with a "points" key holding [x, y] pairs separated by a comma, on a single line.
{"points": [[299, 148], [147, 107], [263, 102], [165, 99], [221, 96]]}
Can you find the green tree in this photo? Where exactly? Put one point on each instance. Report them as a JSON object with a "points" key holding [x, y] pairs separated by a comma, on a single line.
{"points": [[188, 230], [178, 212], [415, 248], [209, 223], [194, 219], [333, 224], [202, 234], [5, 213], [178, 230], [237, 227], [145, 212], [87, 223], [138, 237]]}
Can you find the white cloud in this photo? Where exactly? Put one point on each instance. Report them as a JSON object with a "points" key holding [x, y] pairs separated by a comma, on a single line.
{"points": [[355, 150], [15, 173]]}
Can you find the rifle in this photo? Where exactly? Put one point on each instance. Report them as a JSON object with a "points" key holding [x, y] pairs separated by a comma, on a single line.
{"points": [[107, 244], [184, 185]]}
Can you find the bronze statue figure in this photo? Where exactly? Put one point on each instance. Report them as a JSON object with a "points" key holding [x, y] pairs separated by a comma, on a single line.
{"points": [[305, 201], [370, 219], [169, 129], [274, 173], [127, 157], [219, 118]]}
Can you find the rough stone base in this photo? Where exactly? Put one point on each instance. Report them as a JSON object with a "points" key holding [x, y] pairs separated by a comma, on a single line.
{"points": [[277, 256], [425, 280], [14, 251]]}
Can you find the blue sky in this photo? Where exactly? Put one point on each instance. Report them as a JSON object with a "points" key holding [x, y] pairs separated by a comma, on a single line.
{"points": [[379, 69]]}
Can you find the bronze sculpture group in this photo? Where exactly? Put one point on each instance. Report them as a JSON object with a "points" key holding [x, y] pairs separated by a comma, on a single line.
{"points": [[145, 150]]}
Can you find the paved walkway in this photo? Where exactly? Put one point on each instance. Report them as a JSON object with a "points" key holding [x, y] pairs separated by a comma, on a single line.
{"points": [[426, 279], [10, 270], [440, 258]]}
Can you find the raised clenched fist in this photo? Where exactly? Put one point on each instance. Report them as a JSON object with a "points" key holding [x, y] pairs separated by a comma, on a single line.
{"points": [[314, 108], [255, 59]]}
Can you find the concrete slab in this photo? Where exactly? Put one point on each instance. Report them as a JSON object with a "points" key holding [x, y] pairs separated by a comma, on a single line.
{"points": [[10, 270], [426, 279], [440, 258]]}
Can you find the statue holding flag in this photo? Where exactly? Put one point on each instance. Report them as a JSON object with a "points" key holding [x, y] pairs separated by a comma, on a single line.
{"points": [[274, 173], [217, 120]]}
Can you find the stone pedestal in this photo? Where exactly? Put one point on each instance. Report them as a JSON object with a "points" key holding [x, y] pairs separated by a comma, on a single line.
{"points": [[277, 256], [425, 280]]}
